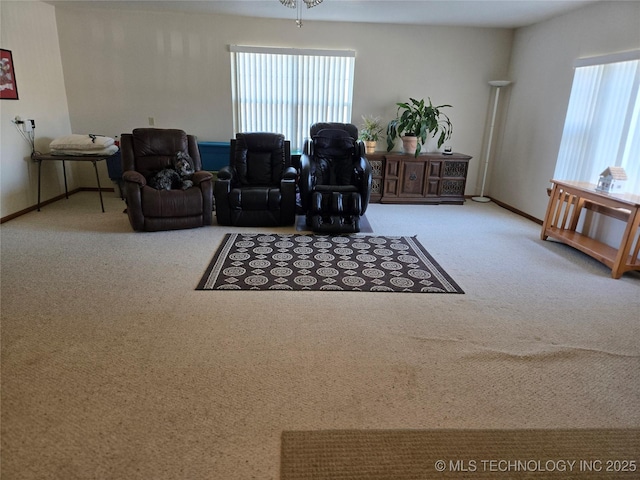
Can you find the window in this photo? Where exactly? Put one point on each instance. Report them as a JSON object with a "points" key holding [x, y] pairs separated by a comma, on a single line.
{"points": [[287, 90], [602, 126]]}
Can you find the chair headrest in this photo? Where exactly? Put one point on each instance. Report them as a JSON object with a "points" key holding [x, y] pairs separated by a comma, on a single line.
{"points": [[333, 142], [350, 128], [259, 158], [260, 141], [159, 141]]}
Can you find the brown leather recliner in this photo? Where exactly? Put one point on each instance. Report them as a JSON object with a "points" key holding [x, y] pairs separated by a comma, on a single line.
{"points": [[148, 150]]}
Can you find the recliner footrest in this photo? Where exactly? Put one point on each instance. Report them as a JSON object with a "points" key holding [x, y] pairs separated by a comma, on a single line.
{"points": [[334, 223], [329, 203]]}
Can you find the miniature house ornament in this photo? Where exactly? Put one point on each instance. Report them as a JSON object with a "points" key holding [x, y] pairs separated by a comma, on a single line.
{"points": [[611, 180]]}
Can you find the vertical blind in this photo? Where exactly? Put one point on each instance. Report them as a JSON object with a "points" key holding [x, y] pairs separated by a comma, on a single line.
{"points": [[602, 126], [286, 90]]}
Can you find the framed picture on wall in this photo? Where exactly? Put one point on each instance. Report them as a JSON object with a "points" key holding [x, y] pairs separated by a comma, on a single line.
{"points": [[8, 86]]}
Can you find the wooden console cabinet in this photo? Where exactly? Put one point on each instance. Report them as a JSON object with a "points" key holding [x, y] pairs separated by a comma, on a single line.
{"points": [[429, 178], [566, 204]]}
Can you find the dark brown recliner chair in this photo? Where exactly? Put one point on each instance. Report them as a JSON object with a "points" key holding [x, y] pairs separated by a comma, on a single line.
{"points": [[148, 150], [258, 188]]}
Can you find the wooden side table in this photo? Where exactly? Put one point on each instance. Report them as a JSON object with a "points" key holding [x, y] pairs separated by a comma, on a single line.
{"points": [[566, 203], [39, 158]]}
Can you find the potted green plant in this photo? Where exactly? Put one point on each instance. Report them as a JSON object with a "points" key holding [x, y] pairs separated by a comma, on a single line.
{"points": [[370, 132], [418, 120]]}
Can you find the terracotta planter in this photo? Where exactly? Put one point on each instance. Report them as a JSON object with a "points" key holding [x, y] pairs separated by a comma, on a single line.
{"points": [[370, 146], [409, 145]]}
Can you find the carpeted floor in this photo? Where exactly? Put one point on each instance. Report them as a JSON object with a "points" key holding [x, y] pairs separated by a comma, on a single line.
{"points": [[115, 367], [460, 453], [357, 263]]}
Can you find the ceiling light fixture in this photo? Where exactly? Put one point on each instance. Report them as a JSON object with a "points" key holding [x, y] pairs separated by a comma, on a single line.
{"points": [[297, 4]]}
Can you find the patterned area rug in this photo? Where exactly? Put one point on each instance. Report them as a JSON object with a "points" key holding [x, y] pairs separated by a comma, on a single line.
{"points": [[367, 263]]}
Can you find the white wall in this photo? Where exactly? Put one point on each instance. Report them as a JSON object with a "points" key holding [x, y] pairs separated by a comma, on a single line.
{"points": [[122, 67], [29, 30], [542, 70]]}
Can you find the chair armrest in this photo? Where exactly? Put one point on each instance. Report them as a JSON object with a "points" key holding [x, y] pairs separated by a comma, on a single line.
{"points": [[201, 176], [225, 173], [305, 182], [307, 148], [221, 189], [364, 176], [134, 177], [223, 183], [363, 167], [290, 173]]}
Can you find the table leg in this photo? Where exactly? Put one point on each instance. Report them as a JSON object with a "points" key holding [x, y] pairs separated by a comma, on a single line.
{"points": [[95, 167], [548, 217], [64, 174], [623, 259], [39, 171]]}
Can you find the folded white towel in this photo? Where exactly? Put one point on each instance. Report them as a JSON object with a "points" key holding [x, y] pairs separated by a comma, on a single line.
{"points": [[107, 151], [81, 142]]}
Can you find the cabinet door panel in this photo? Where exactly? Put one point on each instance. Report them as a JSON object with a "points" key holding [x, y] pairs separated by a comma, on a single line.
{"points": [[434, 168], [391, 178], [453, 188], [455, 169], [413, 176], [391, 188], [392, 168], [376, 160], [433, 186]]}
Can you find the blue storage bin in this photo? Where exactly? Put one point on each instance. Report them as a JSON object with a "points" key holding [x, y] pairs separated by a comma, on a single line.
{"points": [[114, 167], [214, 155]]}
